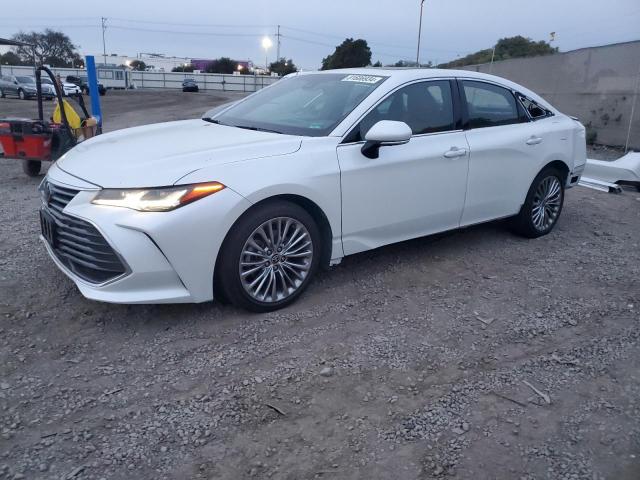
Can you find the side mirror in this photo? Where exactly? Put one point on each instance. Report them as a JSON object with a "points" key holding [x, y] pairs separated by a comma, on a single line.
{"points": [[385, 133]]}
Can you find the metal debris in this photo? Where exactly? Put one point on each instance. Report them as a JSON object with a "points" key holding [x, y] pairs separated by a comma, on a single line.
{"points": [[544, 396]]}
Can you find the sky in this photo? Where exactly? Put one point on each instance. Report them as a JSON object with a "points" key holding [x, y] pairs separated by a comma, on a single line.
{"points": [[311, 30]]}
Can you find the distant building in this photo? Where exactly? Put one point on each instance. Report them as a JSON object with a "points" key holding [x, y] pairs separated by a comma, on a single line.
{"points": [[154, 62], [202, 64]]}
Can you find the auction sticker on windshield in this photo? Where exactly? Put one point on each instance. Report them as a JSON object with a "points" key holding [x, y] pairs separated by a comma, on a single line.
{"points": [[362, 78]]}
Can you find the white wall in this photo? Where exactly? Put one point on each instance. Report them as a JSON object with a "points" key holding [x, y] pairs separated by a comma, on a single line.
{"points": [[205, 81], [171, 80]]}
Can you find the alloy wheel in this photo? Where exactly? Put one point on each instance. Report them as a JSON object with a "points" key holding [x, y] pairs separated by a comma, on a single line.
{"points": [[547, 201], [276, 259]]}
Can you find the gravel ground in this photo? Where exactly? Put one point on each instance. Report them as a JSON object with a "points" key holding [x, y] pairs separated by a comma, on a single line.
{"points": [[470, 355]]}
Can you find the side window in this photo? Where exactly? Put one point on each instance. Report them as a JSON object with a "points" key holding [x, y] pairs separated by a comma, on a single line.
{"points": [[489, 105], [536, 112], [105, 74], [426, 107], [119, 75]]}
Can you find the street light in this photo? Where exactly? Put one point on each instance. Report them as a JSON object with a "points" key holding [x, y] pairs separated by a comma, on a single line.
{"points": [[419, 33], [266, 44]]}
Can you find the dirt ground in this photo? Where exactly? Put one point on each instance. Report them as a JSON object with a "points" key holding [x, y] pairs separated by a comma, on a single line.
{"points": [[471, 355]]}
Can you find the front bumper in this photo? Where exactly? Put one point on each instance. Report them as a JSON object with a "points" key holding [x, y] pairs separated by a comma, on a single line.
{"points": [[170, 256]]}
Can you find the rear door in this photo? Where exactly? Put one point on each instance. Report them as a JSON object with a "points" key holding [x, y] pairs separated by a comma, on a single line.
{"points": [[413, 189], [506, 151]]}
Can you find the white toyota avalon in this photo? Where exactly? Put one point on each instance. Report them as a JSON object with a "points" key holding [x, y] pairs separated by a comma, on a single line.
{"points": [[247, 203]]}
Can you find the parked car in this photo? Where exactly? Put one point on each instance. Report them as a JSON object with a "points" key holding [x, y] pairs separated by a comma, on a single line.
{"points": [[247, 205], [24, 87], [70, 89], [189, 85], [83, 83]]}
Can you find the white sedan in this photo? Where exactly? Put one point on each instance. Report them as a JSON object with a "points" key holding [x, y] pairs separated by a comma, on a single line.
{"points": [[70, 89], [247, 204]]}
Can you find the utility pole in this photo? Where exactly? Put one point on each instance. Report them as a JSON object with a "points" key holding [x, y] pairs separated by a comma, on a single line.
{"points": [[419, 33], [104, 47], [278, 45]]}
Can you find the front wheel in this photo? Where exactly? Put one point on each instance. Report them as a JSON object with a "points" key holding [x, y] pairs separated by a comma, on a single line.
{"points": [[1, 93], [269, 257], [31, 167], [21, 95], [543, 205]]}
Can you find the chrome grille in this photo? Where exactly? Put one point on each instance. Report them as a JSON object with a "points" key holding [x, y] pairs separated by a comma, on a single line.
{"points": [[77, 243]]}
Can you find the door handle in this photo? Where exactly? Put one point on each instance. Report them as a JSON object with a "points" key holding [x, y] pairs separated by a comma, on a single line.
{"points": [[455, 152], [534, 141]]}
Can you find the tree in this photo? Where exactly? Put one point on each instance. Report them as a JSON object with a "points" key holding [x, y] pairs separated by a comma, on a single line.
{"points": [[49, 47], [222, 65], [350, 53], [512, 47], [283, 67], [183, 68], [404, 64], [138, 65], [11, 58], [378, 64]]}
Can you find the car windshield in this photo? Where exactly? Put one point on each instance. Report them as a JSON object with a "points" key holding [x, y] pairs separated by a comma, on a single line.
{"points": [[310, 105], [25, 80]]}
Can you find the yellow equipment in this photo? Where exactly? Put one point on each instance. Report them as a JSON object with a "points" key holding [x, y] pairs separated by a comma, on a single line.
{"points": [[72, 117]]}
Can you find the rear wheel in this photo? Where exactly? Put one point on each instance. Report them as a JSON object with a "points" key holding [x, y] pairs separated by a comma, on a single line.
{"points": [[31, 167], [543, 205], [1, 93], [269, 257]]}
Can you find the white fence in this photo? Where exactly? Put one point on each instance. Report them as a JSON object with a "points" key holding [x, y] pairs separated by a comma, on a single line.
{"points": [[170, 80], [205, 81]]}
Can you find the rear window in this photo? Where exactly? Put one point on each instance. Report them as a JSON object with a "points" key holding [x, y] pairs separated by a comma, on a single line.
{"points": [[489, 105]]}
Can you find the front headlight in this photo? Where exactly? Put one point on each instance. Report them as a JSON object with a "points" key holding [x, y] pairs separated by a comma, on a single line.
{"points": [[161, 199]]}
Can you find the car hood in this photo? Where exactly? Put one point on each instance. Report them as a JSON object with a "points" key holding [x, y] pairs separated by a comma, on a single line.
{"points": [[161, 154]]}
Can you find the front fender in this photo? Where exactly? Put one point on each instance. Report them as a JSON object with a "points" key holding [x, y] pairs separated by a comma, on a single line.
{"points": [[312, 173]]}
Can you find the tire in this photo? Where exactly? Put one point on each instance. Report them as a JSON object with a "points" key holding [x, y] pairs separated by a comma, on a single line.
{"points": [[85, 91], [21, 94], [280, 280], [2, 95], [540, 211], [31, 167]]}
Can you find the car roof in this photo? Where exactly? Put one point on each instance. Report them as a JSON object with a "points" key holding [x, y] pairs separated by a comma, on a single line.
{"points": [[401, 75]]}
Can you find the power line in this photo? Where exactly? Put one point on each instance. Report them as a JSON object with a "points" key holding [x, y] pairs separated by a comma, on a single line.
{"points": [[180, 32], [205, 25]]}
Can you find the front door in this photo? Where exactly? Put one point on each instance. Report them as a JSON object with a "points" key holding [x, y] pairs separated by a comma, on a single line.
{"points": [[410, 190]]}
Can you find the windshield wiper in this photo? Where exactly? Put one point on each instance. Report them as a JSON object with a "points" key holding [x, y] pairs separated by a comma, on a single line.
{"points": [[257, 129], [246, 127], [211, 120]]}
